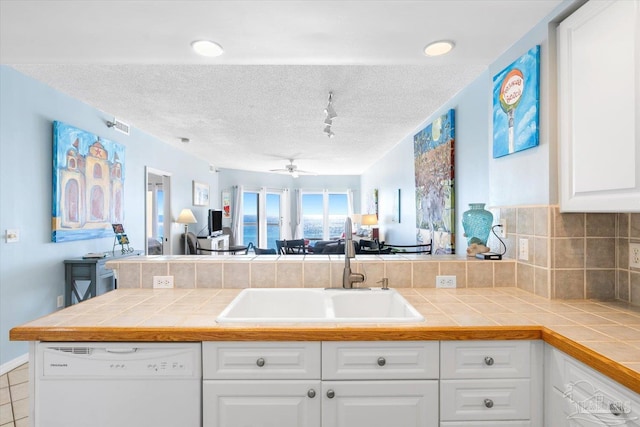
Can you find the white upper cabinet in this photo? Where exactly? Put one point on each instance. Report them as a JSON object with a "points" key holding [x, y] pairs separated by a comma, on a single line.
{"points": [[599, 107]]}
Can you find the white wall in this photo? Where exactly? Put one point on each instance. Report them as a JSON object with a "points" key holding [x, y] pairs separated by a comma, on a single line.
{"points": [[32, 271]]}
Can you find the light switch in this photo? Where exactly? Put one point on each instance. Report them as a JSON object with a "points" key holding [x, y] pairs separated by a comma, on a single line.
{"points": [[12, 235]]}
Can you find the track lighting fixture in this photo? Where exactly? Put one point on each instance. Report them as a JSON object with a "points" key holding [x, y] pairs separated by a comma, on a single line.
{"points": [[331, 114]]}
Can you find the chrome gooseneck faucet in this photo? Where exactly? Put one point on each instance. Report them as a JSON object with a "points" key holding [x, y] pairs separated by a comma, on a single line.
{"points": [[349, 278]]}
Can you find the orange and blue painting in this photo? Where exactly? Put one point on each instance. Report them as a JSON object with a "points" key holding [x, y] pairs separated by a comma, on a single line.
{"points": [[433, 149], [88, 184], [516, 105]]}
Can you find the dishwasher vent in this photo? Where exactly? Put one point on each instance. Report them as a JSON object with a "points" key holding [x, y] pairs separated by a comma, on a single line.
{"points": [[74, 350]]}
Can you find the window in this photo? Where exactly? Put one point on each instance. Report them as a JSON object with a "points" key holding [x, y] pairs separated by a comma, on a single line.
{"points": [[262, 217], [250, 216], [273, 219], [323, 215]]}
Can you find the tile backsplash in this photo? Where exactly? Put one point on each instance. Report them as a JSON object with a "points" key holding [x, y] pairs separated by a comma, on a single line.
{"points": [[573, 255], [311, 271], [570, 255]]}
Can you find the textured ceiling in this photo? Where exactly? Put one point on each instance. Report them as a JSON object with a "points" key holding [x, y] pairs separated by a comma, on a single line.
{"points": [[262, 101]]}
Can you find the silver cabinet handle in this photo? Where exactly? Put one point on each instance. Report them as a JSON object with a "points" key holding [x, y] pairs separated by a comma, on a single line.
{"points": [[311, 393], [616, 409], [260, 362], [488, 403], [381, 361], [488, 361], [331, 394]]}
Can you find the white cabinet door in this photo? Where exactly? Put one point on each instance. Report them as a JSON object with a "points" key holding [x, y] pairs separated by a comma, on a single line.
{"points": [[599, 107], [264, 403], [380, 403]]}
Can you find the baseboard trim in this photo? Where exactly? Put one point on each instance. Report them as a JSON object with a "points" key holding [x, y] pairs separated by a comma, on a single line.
{"points": [[13, 364]]}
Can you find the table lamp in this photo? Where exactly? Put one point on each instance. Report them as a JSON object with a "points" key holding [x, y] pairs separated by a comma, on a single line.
{"points": [[186, 217], [357, 220], [370, 220]]}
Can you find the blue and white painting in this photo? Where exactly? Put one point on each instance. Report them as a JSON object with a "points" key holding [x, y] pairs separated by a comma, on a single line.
{"points": [[516, 105], [88, 185]]}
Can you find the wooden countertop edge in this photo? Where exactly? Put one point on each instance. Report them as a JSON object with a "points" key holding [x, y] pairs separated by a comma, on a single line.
{"points": [[615, 370]]}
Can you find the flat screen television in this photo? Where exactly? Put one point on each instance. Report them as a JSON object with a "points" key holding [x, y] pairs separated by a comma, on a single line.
{"points": [[215, 222]]}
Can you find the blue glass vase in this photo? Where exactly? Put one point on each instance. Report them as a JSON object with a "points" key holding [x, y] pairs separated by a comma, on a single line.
{"points": [[477, 224]]}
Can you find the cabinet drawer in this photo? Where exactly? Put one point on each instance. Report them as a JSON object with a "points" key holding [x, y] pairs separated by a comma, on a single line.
{"points": [[597, 408], [263, 360], [590, 394], [485, 359], [380, 360], [478, 400], [486, 424]]}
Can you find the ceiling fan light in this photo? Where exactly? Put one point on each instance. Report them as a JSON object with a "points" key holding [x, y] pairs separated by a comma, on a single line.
{"points": [[295, 174]]}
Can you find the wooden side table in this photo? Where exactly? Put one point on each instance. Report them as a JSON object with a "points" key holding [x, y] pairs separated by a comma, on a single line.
{"points": [[92, 270]]}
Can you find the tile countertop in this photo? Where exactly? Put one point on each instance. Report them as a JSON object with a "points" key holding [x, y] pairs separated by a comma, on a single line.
{"points": [[604, 335]]}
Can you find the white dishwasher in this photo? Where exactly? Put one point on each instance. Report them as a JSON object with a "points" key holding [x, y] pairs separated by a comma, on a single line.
{"points": [[116, 384]]}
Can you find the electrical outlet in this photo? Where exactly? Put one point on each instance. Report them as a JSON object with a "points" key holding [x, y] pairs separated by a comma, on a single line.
{"points": [[162, 282], [445, 281], [634, 255], [523, 253], [502, 230], [60, 301]]}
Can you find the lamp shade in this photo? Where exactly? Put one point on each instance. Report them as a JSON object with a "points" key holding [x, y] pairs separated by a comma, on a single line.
{"points": [[186, 217], [370, 219], [356, 218]]}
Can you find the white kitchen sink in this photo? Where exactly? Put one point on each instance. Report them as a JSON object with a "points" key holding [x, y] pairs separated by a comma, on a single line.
{"points": [[319, 306]]}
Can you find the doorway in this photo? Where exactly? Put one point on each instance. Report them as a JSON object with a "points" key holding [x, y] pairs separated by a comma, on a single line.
{"points": [[157, 212]]}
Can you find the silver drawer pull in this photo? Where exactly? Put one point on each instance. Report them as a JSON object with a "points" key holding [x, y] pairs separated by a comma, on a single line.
{"points": [[331, 394], [616, 409], [260, 362], [488, 361], [488, 403], [311, 393], [381, 361]]}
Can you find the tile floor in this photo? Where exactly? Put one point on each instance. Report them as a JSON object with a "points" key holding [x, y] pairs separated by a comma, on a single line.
{"points": [[14, 397]]}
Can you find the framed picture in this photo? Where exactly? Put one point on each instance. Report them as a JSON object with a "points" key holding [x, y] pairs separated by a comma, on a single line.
{"points": [[200, 194], [433, 149], [226, 204], [516, 105]]}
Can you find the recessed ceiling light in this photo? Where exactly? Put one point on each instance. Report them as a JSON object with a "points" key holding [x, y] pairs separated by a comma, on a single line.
{"points": [[439, 48], [207, 48]]}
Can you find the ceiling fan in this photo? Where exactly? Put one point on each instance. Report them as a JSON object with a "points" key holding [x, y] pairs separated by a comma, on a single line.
{"points": [[292, 170]]}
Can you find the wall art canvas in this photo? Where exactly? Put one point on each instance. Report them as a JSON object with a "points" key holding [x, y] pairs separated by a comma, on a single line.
{"points": [[200, 194], [516, 105], [433, 149], [226, 204], [88, 184]]}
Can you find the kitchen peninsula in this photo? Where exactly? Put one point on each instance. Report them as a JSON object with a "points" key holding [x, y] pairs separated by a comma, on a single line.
{"points": [[604, 335]]}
